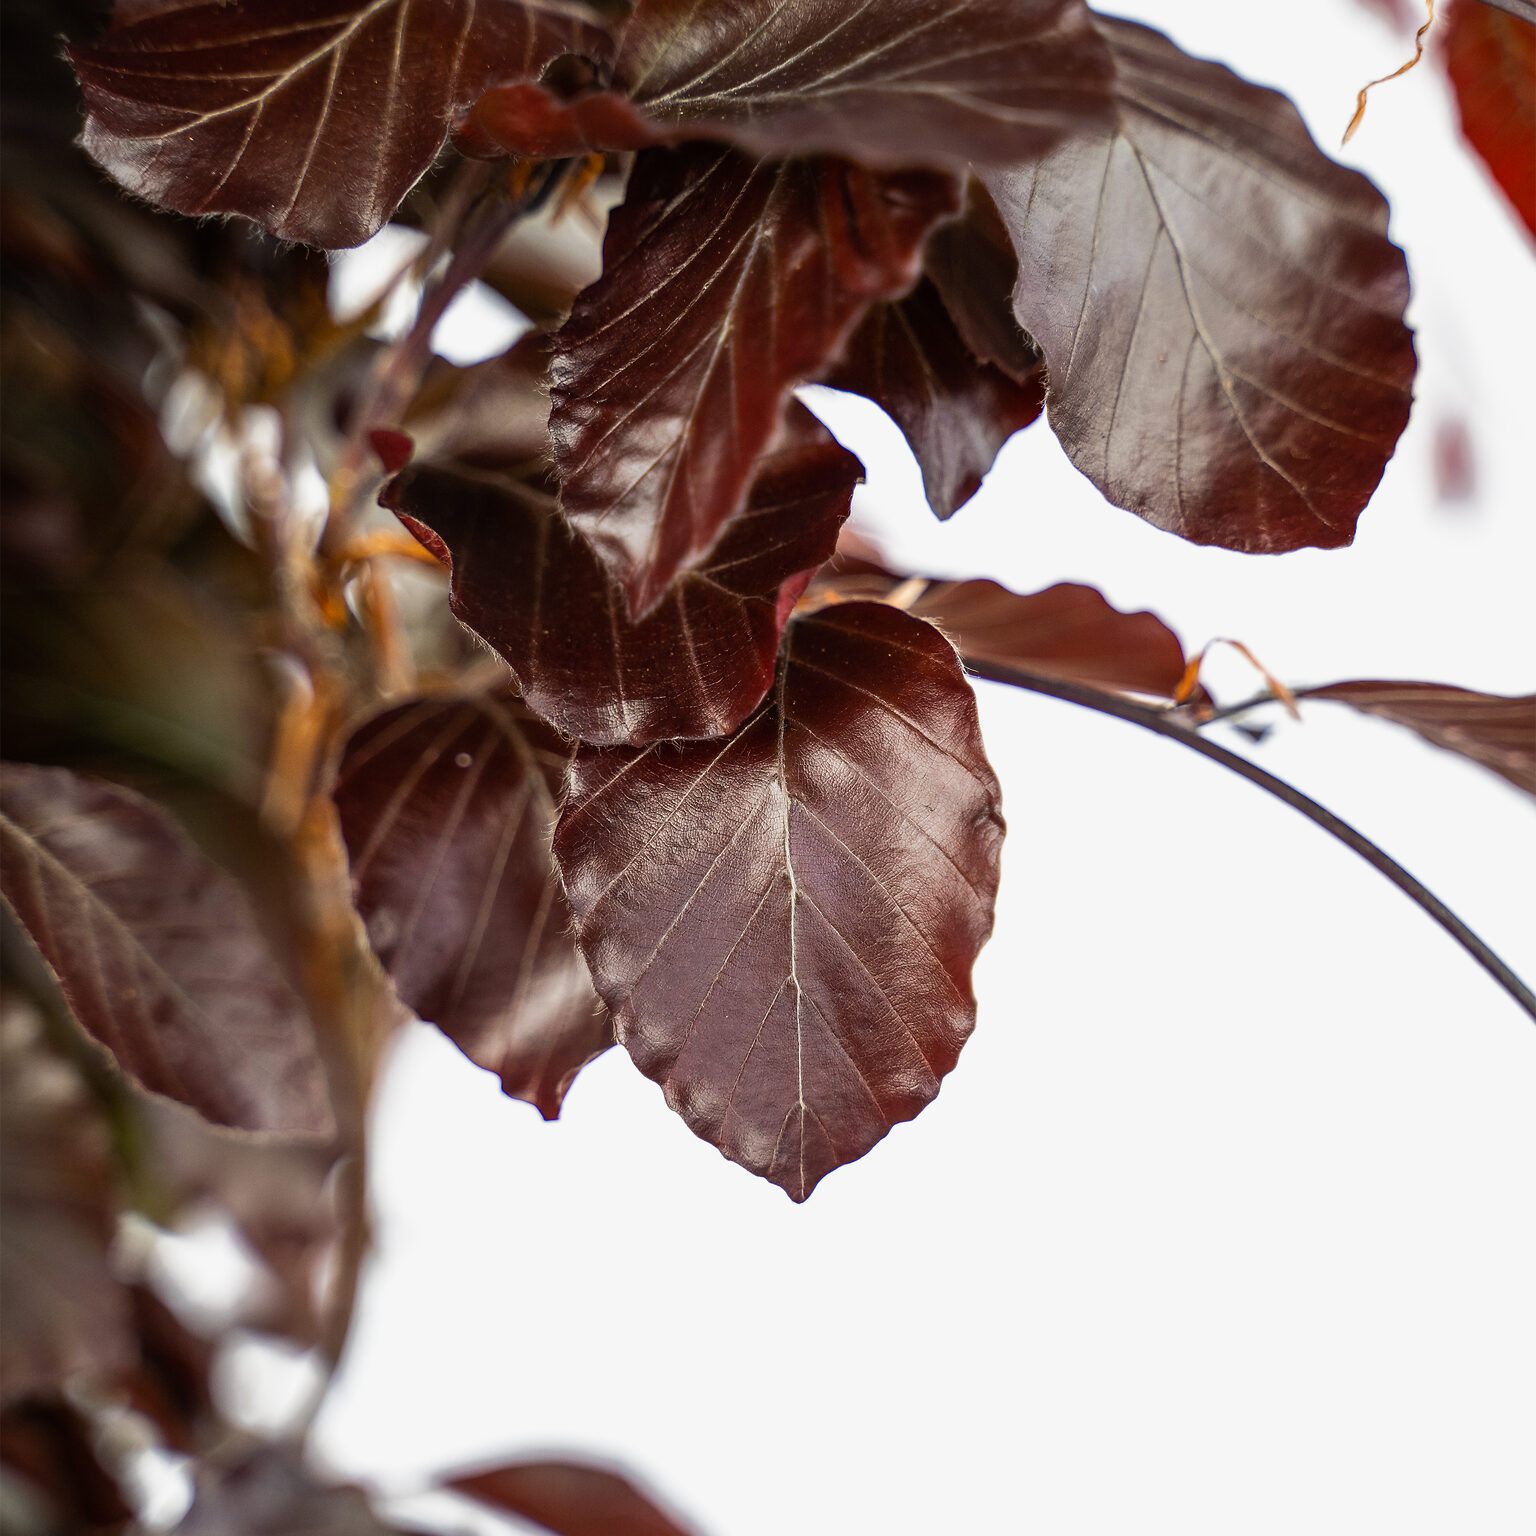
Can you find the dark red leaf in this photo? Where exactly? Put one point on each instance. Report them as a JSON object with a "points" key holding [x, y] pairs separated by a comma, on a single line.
{"points": [[700, 662], [157, 952], [1219, 306], [313, 120], [972, 264], [393, 449], [569, 1499], [1491, 58], [1492, 729], [784, 922], [956, 412], [446, 805], [64, 1311], [526, 119], [901, 82], [726, 283], [1067, 631]]}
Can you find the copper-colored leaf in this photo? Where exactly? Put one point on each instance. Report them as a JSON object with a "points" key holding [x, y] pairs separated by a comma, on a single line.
{"points": [[64, 1311], [956, 412], [900, 82], [569, 1499], [1492, 729], [784, 922], [1219, 305], [1491, 58], [314, 120], [157, 952], [726, 283], [47, 1444], [1067, 631], [700, 662], [446, 805]]}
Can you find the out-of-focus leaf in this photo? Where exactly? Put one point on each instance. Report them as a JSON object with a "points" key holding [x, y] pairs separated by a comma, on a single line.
{"points": [[64, 1311], [313, 121], [726, 283], [446, 806], [47, 1444], [279, 1193], [1492, 729], [784, 922], [266, 1490], [956, 412], [171, 1382], [1491, 59], [700, 662], [157, 952], [928, 82], [569, 1499], [1219, 306]]}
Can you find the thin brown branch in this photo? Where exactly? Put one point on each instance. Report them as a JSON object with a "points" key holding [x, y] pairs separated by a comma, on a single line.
{"points": [[1162, 723]]}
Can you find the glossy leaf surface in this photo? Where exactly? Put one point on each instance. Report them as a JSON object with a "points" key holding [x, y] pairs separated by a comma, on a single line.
{"points": [[313, 120], [1493, 729], [784, 922], [726, 283], [933, 82], [446, 806], [157, 952], [955, 412], [700, 662], [1491, 58], [1219, 307], [569, 1499]]}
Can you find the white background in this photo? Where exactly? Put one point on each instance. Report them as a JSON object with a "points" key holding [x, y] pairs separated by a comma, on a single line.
{"points": [[1225, 1221]]}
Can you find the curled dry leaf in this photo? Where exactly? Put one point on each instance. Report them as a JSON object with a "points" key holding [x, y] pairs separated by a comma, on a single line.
{"points": [[64, 1311], [905, 82], [1490, 56], [956, 412], [569, 1498], [313, 121], [157, 952], [726, 283], [446, 805], [1492, 729], [784, 922], [1219, 306], [700, 662]]}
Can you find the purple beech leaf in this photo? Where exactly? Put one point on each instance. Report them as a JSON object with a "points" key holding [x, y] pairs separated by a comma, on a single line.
{"points": [[700, 662], [1068, 631], [725, 284], [956, 412], [1490, 728], [901, 82], [971, 262], [569, 1499], [942, 83], [784, 922], [157, 952], [446, 806], [312, 119], [1219, 306]]}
